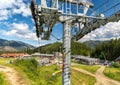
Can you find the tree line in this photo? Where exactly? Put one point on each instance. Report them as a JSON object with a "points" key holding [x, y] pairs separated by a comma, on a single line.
{"points": [[107, 50]]}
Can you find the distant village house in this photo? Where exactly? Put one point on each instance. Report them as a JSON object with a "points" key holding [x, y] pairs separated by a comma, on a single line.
{"points": [[14, 55]]}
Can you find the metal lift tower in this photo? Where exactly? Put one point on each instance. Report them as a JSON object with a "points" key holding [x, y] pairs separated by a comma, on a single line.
{"points": [[76, 20]]}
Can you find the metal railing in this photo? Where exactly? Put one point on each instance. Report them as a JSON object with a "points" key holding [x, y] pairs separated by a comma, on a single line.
{"points": [[112, 14]]}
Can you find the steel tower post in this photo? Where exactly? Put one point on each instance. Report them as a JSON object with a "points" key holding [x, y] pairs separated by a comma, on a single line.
{"points": [[67, 53]]}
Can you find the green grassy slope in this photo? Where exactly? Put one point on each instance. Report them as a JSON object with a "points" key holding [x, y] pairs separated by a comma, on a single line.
{"points": [[91, 69], [79, 78], [43, 75], [113, 73]]}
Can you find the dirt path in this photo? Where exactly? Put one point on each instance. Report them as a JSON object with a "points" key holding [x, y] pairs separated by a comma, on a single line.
{"points": [[15, 79], [13, 76], [101, 79]]}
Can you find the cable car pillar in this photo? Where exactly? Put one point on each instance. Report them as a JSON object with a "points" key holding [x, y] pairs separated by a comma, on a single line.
{"points": [[67, 53]]}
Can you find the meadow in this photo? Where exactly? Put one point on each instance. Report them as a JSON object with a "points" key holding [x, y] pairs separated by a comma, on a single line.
{"points": [[113, 73], [42, 75], [90, 68]]}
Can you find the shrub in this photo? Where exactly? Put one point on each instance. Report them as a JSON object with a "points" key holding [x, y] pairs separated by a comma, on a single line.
{"points": [[29, 66]]}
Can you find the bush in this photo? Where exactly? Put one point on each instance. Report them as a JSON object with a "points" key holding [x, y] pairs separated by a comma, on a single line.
{"points": [[116, 65], [29, 66], [30, 63]]}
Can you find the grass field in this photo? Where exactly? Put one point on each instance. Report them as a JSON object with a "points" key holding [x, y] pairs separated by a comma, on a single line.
{"points": [[5, 61], [42, 75], [3, 80], [46, 77], [38, 75], [91, 69], [113, 73], [79, 78]]}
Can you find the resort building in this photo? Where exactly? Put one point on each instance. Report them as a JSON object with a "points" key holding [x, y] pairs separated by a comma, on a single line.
{"points": [[85, 60]]}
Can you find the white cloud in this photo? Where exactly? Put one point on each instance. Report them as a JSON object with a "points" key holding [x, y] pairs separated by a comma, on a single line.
{"points": [[4, 14], [11, 7], [21, 8], [21, 31], [110, 31], [6, 4], [20, 26]]}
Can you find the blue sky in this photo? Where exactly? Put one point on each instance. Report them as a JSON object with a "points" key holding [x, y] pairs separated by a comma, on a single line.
{"points": [[16, 23]]}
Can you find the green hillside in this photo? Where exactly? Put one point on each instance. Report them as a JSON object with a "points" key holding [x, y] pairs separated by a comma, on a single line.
{"points": [[76, 48]]}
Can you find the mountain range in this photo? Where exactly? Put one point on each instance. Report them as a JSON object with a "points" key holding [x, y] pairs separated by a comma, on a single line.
{"points": [[11, 45], [93, 44]]}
